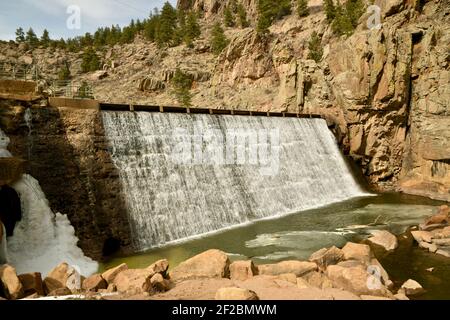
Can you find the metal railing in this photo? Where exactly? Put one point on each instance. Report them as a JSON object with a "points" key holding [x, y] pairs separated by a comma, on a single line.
{"points": [[71, 89], [19, 71]]}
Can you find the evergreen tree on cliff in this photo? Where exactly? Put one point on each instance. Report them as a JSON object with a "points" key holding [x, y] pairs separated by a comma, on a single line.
{"points": [[228, 17], [165, 32], [192, 29], [269, 11], [302, 8], [330, 10], [45, 38], [20, 35], [31, 38], [315, 47], [242, 16], [218, 39], [182, 84]]}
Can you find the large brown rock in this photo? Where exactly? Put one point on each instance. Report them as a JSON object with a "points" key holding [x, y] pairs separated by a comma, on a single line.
{"points": [[110, 274], [385, 239], [94, 283], [32, 283], [134, 281], [356, 251], [11, 284], [299, 268], [234, 293], [325, 257], [209, 264], [160, 266], [63, 276], [242, 270]]}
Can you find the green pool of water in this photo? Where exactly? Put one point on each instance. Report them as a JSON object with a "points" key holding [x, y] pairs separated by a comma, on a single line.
{"points": [[298, 235]]}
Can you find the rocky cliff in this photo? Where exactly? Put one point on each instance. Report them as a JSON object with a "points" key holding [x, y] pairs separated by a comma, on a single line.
{"points": [[385, 92]]}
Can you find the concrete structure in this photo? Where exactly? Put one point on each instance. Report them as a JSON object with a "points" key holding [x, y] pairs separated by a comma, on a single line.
{"points": [[59, 102], [19, 90]]}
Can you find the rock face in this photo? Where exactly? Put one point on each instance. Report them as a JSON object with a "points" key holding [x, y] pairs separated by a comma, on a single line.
{"points": [[209, 264], [78, 176]]}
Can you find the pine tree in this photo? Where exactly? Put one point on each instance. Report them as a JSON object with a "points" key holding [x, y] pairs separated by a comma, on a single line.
{"points": [[182, 84], [228, 18], [31, 38], [330, 10], [151, 27], [167, 25], [64, 73], [354, 10], [218, 39], [242, 16], [90, 61], [270, 11], [45, 38], [302, 8], [20, 35], [191, 29], [315, 47]]}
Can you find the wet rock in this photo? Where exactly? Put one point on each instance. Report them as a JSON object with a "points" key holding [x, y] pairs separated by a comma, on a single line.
{"points": [[242, 270], [299, 268], [400, 296], [411, 288], [234, 293], [429, 246], [94, 283], [209, 264], [356, 251], [445, 253], [384, 239], [32, 283], [110, 274], [325, 257], [11, 284]]}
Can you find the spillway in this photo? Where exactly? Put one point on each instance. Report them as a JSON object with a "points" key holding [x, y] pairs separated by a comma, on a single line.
{"points": [[185, 175]]}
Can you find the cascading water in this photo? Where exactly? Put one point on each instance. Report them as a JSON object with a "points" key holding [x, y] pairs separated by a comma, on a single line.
{"points": [[42, 239], [170, 200]]}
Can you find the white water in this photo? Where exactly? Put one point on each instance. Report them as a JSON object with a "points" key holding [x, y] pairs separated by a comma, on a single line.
{"points": [[168, 202], [42, 239]]}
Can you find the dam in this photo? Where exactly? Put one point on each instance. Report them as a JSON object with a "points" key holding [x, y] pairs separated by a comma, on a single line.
{"points": [[288, 165]]}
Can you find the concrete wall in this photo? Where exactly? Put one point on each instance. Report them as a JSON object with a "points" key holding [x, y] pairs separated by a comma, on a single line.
{"points": [[18, 90], [85, 104]]}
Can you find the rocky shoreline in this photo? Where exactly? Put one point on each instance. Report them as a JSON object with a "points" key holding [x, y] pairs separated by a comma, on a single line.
{"points": [[348, 273]]}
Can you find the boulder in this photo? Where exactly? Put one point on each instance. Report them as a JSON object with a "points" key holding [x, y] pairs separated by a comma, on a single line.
{"points": [[325, 257], [62, 276], [134, 281], [160, 266], [159, 283], [445, 253], [209, 264], [98, 75], [420, 236], [429, 246], [356, 280], [110, 274], [94, 283], [299, 268], [356, 251], [64, 291], [318, 279], [11, 284], [384, 239], [242, 270], [289, 277], [234, 293], [412, 287], [32, 283]]}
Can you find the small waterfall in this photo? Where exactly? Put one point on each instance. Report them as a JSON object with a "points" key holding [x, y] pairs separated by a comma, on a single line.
{"points": [[3, 251], [42, 239], [28, 117], [169, 200]]}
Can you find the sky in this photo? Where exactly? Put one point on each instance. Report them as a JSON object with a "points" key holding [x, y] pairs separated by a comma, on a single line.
{"points": [[60, 17]]}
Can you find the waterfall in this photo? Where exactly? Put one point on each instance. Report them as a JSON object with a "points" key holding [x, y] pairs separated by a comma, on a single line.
{"points": [[3, 251], [170, 200], [42, 239]]}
